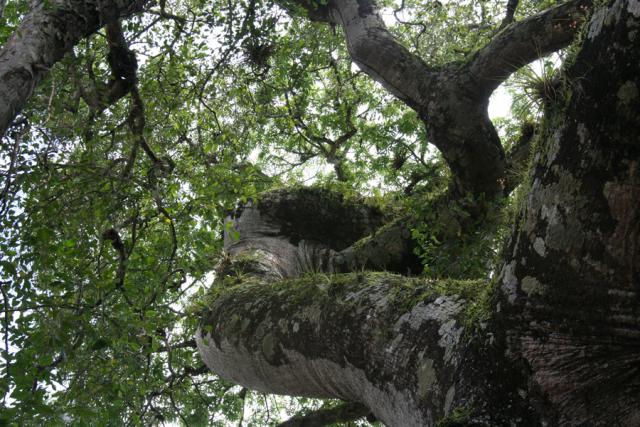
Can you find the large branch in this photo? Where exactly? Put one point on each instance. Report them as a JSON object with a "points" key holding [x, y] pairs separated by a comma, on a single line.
{"points": [[276, 322], [375, 50], [321, 336], [46, 33], [453, 100], [307, 230], [525, 41]]}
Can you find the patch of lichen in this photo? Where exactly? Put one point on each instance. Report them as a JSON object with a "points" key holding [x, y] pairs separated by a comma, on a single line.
{"points": [[475, 293]]}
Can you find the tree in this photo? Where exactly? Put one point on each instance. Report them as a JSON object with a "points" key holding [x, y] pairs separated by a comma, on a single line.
{"points": [[320, 294]]}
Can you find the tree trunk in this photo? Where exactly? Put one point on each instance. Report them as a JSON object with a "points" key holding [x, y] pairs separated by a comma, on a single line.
{"points": [[562, 345], [570, 283]]}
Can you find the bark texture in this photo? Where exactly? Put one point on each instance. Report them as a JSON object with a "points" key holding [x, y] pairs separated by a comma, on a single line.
{"points": [[359, 338], [570, 283], [46, 33]]}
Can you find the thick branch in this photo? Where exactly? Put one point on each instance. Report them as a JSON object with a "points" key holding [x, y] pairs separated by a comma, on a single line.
{"points": [[46, 33], [390, 342], [456, 119], [342, 413], [387, 341], [298, 231], [391, 248], [375, 50], [314, 230], [117, 243], [525, 41], [122, 62]]}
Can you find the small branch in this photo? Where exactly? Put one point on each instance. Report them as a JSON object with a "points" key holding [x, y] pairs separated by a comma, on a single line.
{"points": [[179, 20], [112, 235], [122, 62], [7, 353], [137, 123], [422, 26], [11, 170], [378, 53], [200, 370], [50, 102], [512, 5]]}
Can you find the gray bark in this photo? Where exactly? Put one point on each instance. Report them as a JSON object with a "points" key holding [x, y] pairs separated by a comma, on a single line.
{"points": [[46, 33], [280, 321], [346, 340], [330, 336]]}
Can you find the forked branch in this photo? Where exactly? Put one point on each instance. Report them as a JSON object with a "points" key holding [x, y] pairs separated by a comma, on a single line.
{"points": [[525, 41]]}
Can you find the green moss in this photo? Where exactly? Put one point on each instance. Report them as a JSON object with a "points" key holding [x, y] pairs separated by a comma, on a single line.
{"points": [[362, 243], [317, 290], [460, 417], [457, 237]]}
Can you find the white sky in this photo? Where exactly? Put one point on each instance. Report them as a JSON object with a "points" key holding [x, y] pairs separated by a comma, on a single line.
{"points": [[500, 103]]}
